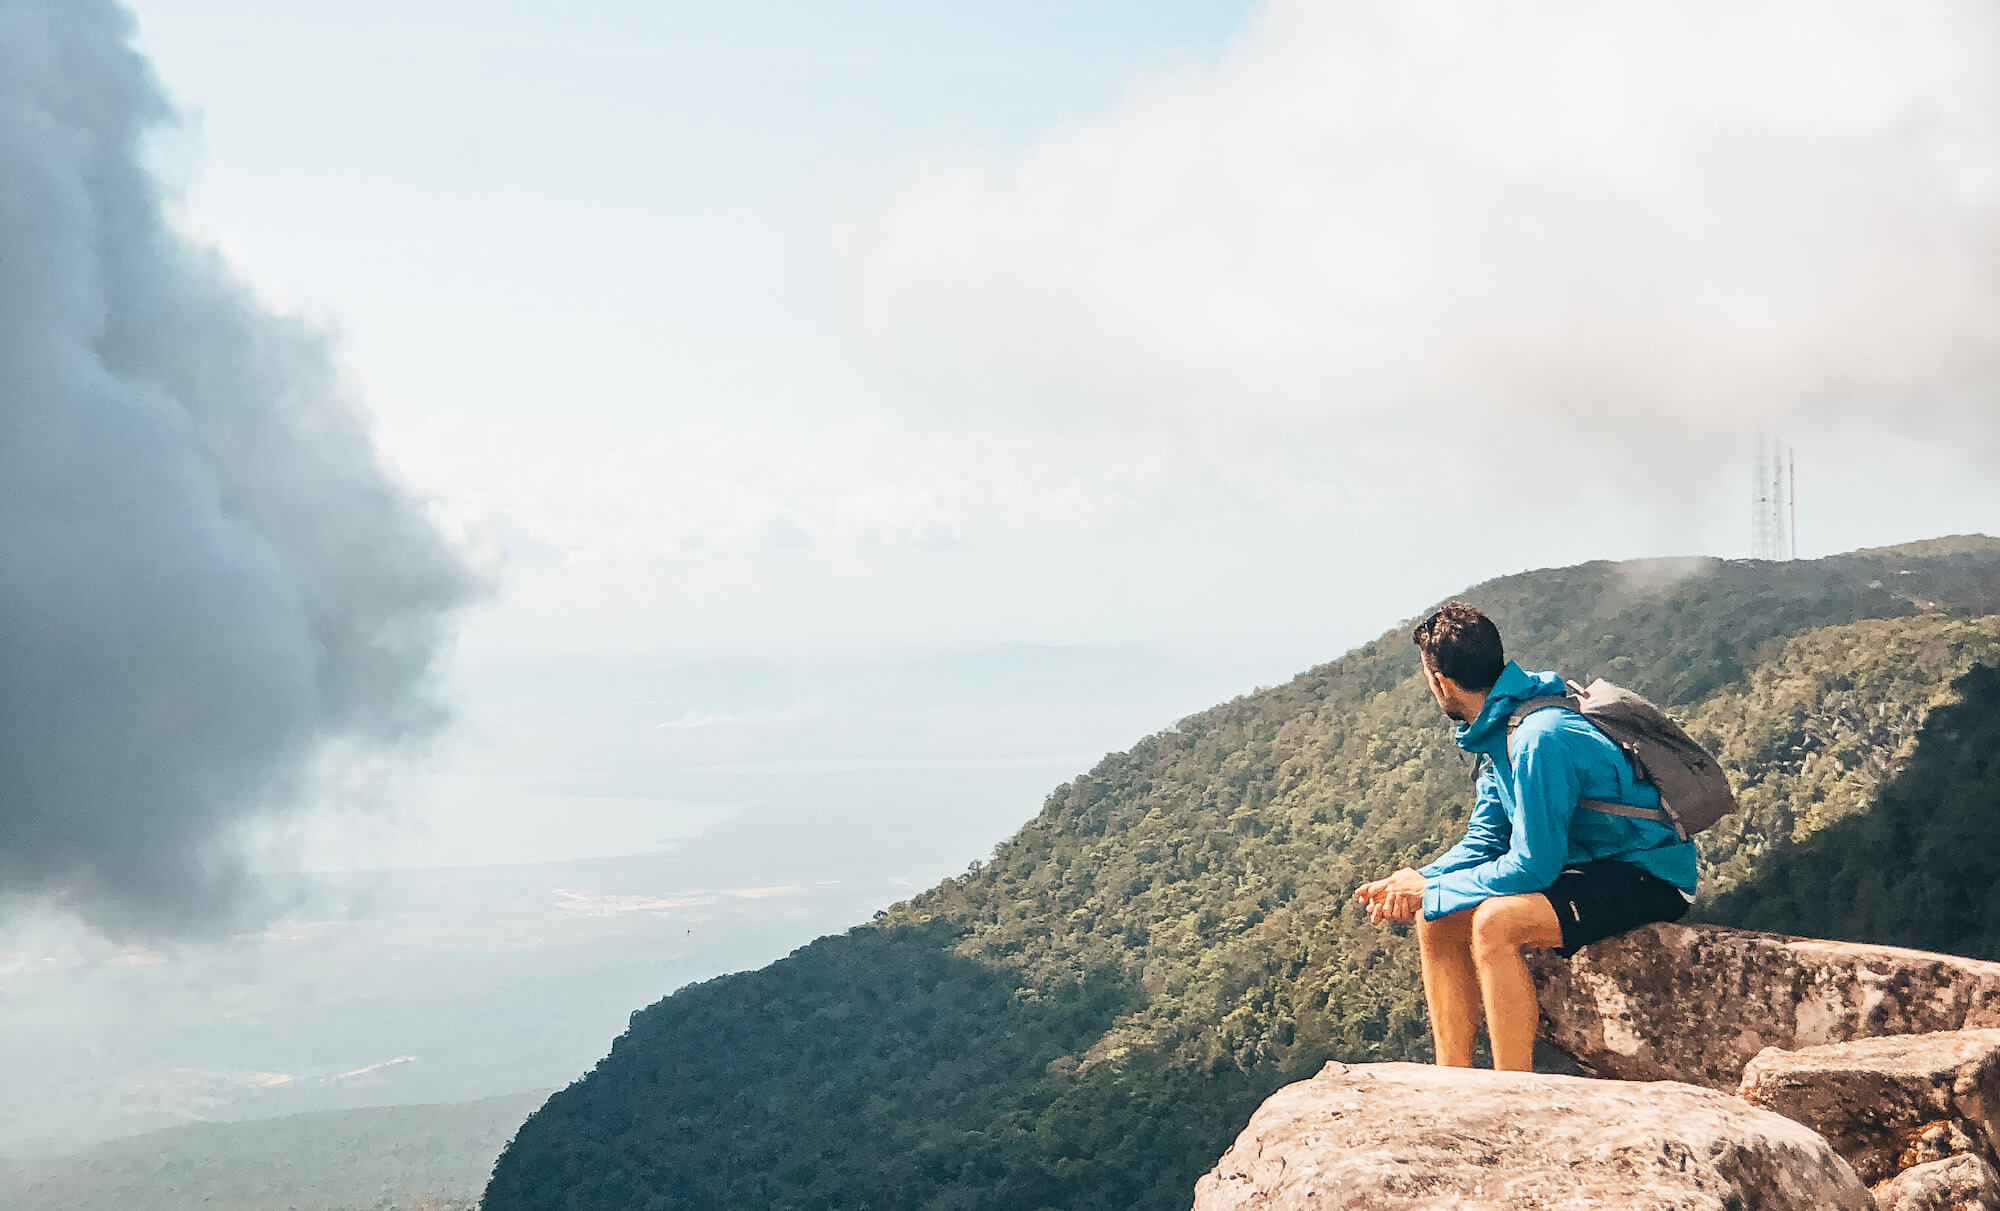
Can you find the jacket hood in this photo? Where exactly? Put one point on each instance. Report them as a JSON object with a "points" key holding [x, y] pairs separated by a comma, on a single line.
{"points": [[1488, 733]]}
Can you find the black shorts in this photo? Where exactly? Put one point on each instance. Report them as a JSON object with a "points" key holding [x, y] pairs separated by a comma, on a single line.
{"points": [[1598, 900]]}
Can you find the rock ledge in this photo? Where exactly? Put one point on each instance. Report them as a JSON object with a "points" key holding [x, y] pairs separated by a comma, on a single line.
{"points": [[1697, 1003], [1388, 1136]]}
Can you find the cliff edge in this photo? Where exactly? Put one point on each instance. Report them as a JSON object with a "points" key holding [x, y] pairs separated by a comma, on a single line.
{"points": [[1386, 1136]]}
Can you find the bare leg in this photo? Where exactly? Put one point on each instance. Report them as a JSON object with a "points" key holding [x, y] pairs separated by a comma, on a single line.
{"points": [[1501, 929], [1451, 986]]}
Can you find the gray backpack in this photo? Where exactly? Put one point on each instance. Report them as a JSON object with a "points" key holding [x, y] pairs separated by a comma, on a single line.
{"points": [[1694, 792]]}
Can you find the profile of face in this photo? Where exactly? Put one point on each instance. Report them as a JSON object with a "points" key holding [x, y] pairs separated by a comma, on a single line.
{"points": [[1450, 696]]}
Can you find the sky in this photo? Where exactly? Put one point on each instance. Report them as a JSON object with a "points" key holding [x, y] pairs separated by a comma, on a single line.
{"points": [[822, 333]]}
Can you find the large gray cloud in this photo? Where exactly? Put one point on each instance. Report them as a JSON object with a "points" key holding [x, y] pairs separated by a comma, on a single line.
{"points": [[206, 575]]}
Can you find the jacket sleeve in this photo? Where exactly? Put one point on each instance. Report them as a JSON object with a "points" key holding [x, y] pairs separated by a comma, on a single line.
{"points": [[1485, 837], [1547, 786]]}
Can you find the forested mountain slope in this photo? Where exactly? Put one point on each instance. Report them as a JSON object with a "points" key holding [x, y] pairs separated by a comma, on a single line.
{"points": [[1087, 1019]]}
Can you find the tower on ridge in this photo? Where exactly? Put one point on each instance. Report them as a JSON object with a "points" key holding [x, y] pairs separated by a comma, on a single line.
{"points": [[1774, 522]]}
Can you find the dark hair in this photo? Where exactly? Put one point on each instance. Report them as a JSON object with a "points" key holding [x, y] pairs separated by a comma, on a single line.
{"points": [[1461, 643]]}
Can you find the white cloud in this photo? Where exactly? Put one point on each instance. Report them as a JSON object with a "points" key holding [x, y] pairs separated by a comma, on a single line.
{"points": [[1657, 217]]}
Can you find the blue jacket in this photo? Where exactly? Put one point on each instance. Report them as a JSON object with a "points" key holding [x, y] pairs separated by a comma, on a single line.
{"points": [[1526, 825]]}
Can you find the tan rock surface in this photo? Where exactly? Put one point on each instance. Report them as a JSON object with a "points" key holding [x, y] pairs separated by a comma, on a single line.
{"points": [[1390, 1136], [1961, 1183], [1697, 1003], [1888, 1103]]}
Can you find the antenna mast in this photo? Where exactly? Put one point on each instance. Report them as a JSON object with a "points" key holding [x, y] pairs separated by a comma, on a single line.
{"points": [[1792, 496], [1774, 520]]}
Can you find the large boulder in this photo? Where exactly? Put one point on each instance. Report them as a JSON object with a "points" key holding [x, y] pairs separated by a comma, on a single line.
{"points": [[1697, 1003], [1959, 1183], [1889, 1103], [1388, 1136]]}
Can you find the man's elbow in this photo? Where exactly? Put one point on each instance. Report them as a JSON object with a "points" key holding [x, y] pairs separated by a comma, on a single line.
{"points": [[1542, 875], [1527, 876]]}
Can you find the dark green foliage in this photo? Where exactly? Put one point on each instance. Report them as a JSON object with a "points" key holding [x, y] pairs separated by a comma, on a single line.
{"points": [[1921, 867], [1087, 1019], [873, 1071]]}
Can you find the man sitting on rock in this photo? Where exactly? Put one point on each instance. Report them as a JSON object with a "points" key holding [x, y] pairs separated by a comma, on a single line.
{"points": [[1534, 869]]}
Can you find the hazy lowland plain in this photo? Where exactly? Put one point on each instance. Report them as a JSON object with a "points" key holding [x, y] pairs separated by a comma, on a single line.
{"points": [[384, 1158], [1085, 1019]]}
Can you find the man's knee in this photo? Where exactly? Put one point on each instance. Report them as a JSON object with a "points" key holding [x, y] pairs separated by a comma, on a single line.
{"points": [[1490, 934], [1507, 925]]}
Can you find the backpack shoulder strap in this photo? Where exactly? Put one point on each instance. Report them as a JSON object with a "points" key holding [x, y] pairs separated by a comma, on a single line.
{"points": [[1654, 814], [1533, 706], [1572, 703]]}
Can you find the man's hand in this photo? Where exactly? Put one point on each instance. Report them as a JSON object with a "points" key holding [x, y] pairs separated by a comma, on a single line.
{"points": [[1397, 898]]}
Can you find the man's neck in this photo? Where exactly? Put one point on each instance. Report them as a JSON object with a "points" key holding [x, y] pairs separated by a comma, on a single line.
{"points": [[1475, 704]]}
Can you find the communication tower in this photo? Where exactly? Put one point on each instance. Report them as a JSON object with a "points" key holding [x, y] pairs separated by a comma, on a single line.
{"points": [[1774, 519]]}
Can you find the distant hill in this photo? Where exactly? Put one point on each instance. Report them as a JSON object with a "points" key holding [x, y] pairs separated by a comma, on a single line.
{"points": [[388, 1158], [1086, 1020]]}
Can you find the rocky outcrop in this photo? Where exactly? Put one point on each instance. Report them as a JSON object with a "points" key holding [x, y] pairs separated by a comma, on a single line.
{"points": [[1960, 1183], [1892, 1055], [1891, 1103], [1387, 1136], [1821, 1066], [1697, 1003]]}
